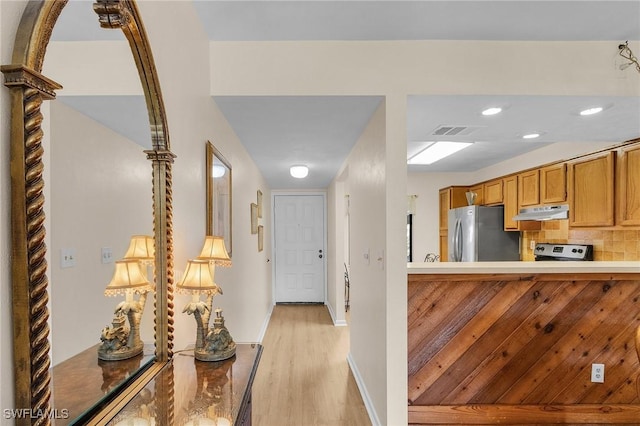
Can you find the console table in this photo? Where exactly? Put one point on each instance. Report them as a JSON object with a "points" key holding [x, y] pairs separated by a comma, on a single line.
{"points": [[188, 391]]}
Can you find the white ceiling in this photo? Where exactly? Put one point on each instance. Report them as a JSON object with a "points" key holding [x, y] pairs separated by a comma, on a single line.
{"points": [[321, 131], [420, 20]]}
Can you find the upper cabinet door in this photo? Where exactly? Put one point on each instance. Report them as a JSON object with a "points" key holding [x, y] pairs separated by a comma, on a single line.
{"points": [[553, 183], [629, 186], [591, 191], [493, 193], [529, 188], [510, 203]]}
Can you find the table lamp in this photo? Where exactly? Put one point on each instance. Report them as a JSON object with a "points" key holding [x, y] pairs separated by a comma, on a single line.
{"points": [[215, 251], [213, 344], [141, 248], [118, 340]]}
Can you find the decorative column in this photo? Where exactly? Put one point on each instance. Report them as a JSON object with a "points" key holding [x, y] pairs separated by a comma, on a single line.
{"points": [[123, 14], [162, 161], [29, 284]]}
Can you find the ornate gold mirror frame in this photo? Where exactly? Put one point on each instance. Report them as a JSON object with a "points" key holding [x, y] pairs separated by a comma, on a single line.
{"points": [[29, 88]]}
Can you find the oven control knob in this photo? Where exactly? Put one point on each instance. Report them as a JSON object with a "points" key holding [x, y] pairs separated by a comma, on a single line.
{"points": [[579, 250], [574, 250]]}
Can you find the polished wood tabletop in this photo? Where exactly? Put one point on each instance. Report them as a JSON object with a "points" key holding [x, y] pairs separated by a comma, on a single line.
{"points": [[190, 392], [83, 381]]}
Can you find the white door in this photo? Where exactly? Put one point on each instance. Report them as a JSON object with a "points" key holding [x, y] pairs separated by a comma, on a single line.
{"points": [[299, 248]]}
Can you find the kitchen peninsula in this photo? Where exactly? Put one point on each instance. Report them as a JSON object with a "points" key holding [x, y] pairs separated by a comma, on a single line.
{"points": [[524, 342]]}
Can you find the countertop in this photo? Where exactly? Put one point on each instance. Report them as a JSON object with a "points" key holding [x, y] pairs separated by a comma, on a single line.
{"points": [[523, 267]]}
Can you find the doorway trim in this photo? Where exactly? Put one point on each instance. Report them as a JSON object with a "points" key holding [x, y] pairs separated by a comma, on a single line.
{"points": [[322, 194]]}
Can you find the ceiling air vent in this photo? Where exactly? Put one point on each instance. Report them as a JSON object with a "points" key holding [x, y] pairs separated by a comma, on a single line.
{"points": [[454, 130]]}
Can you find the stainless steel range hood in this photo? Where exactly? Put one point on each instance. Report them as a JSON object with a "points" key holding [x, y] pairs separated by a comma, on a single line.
{"points": [[544, 213]]}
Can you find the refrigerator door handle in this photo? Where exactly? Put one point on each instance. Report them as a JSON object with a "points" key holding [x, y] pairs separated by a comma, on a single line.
{"points": [[457, 255], [460, 240], [454, 243]]}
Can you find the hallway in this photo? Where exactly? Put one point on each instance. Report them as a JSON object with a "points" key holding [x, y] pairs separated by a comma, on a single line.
{"points": [[303, 378]]}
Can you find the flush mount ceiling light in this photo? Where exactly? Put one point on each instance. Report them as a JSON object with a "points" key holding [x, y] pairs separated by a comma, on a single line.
{"points": [[492, 111], [218, 171], [299, 172], [591, 111], [531, 136], [437, 151], [626, 53]]}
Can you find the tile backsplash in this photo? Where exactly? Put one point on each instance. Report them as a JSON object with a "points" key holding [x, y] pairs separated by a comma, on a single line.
{"points": [[607, 244]]}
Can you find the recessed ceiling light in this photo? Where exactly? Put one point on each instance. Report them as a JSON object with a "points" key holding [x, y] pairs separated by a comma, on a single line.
{"points": [[531, 136], [492, 111], [437, 151], [299, 172], [591, 111]]}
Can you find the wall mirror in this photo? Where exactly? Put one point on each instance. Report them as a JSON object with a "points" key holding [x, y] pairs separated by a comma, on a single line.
{"points": [[218, 189], [113, 172]]}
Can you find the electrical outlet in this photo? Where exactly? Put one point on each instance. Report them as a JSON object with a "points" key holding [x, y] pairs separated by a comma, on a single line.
{"points": [[597, 373], [532, 245], [106, 255]]}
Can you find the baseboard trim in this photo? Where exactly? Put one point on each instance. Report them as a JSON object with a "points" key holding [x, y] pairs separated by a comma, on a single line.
{"points": [[265, 324], [336, 323], [373, 416]]}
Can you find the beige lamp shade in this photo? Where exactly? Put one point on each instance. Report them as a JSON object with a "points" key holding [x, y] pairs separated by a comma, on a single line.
{"points": [[128, 277], [215, 251], [198, 278], [141, 248]]}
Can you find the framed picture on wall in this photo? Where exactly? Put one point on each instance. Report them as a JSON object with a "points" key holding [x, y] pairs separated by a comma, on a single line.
{"points": [[260, 237], [259, 198], [218, 197], [254, 218]]}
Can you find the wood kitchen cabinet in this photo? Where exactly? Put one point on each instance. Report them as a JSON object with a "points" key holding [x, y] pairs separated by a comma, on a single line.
{"points": [[479, 190], [493, 193], [450, 198], [629, 186], [591, 191], [511, 207], [510, 203], [529, 188], [553, 184], [444, 245]]}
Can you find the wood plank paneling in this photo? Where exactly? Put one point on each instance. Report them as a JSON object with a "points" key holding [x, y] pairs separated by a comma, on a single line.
{"points": [[523, 340], [525, 414]]}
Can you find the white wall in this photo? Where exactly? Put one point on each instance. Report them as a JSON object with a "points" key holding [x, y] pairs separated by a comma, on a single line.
{"points": [[101, 188], [419, 68], [368, 328]]}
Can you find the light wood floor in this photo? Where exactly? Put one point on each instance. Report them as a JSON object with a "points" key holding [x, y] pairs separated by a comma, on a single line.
{"points": [[303, 378]]}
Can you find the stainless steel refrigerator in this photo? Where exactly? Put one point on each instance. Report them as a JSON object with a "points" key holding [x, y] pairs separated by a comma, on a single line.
{"points": [[476, 233]]}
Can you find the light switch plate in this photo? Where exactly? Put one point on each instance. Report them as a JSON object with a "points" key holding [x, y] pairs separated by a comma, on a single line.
{"points": [[67, 257], [366, 257]]}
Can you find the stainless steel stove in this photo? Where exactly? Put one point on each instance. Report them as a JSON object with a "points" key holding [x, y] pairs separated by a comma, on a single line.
{"points": [[559, 252]]}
